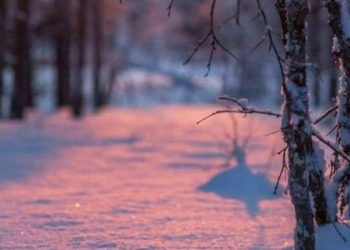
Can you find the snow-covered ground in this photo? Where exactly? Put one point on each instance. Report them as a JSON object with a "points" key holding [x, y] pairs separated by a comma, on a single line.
{"points": [[144, 179]]}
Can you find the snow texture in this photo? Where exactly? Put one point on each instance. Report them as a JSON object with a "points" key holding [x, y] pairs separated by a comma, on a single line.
{"points": [[131, 179]]}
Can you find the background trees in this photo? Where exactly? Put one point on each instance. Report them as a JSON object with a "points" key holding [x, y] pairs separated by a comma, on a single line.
{"points": [[120, 38]]}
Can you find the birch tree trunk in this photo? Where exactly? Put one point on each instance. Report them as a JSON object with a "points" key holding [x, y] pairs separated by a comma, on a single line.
{"points": [[296, 124], [339, 20]]}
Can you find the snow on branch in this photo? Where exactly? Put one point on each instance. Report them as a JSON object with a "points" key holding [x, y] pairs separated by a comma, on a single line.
{"points": [[243, 109], [243, 104], [331, 145]]}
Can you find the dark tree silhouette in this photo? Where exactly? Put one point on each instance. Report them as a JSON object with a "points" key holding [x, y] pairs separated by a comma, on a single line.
{"points": [[63, 51], [78, 95], [3, 26], [22, 95], [98, 49]]}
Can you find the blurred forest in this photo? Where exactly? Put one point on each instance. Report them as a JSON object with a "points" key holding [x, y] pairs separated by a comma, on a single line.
{"points": [[85, 54]]}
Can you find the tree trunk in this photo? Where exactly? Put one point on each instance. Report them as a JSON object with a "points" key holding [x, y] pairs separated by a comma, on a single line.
{"points": [[333, 85], [3, 25], [63, 52], [338, 11], [98, 48], [296, 122], [22, 95], [29, 91], [315, 28], [78, 99]]}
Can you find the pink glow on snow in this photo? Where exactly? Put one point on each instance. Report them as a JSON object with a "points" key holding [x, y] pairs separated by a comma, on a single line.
{"points": [[129, 179]]}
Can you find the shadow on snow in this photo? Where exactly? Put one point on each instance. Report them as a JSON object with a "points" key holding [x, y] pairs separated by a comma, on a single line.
{"points": [[239, 183]]}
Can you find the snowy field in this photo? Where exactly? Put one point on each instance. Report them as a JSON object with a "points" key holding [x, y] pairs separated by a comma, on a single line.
{"points": [[144, 179]]}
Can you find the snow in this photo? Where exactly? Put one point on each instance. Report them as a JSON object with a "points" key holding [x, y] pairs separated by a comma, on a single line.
{"points": [[239, 183], [144, 179]]}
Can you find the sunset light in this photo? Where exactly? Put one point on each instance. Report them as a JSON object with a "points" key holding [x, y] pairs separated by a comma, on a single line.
{"points": [[175, 124]]}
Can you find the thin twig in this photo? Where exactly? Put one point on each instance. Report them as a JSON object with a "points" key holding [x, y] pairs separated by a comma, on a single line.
{"points": [[236, 16], [331, 145], [170, 7], [272, 45], [273, 132], [284, 167], [331, 131], [341, 236], [325, 114], [245, 112], [239, 103], [280, 152], [215, 42]]}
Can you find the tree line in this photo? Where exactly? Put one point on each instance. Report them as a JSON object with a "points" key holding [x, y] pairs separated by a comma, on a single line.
{"points": [[89, 42], [68, 28]]}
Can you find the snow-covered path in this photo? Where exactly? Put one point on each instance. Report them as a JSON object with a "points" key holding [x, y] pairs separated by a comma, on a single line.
{"points": [[129, 179]]}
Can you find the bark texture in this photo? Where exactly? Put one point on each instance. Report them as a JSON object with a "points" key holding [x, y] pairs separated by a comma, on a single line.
{"points": [[338, 20], [296, 121]]}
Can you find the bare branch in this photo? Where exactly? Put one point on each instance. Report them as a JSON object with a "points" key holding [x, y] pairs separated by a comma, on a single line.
{"points": [[244, 110], [284, 168], [331, 145], [214, 41], [336, 229], [281, 151], [236, 16], [239, 103], [272, 46], [333, 129], [249, 110], [170, 7], [273, 132], [259, 43], [325, 114]]}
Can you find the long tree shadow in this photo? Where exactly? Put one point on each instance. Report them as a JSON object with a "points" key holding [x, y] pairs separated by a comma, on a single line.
{"points": [[23, 155], [239, 183]]}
